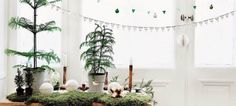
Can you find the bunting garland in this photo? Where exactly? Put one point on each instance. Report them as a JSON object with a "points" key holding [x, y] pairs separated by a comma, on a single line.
{"points": [[145, 28]]}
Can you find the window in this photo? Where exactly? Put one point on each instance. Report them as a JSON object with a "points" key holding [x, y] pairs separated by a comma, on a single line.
{"points": [[148, 49], [215, 42], [45, 40]]}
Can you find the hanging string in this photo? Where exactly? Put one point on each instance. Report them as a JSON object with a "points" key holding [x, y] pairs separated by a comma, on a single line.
{"points": [[144, 28]]}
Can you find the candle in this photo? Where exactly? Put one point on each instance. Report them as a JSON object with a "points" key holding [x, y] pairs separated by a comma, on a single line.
{"points": [[131, 61], [65, 60], [130, 76]]}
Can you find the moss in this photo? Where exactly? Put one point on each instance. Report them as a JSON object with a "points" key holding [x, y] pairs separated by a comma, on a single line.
{"points": [[75, 98], [14, 97]]}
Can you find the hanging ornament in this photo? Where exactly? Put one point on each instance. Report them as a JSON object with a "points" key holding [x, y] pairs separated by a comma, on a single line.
{"points": [[168, 28], [211, 20], [100, 23], [200, 23], [217, 19], [148, 12], [164, 11], [162, 28], [123, 27], [227, 15], [145, 28], [98, 1], [157, 29], [90, 19], [222, 17], [140, 28], [232, 13], [117, 11], [129, 28], [135, 28], [117, 26], [151, 28], [211, 7], [85, 18], [155, 15], [112, 25], [133, 10], [194, 7], [96, 21]]}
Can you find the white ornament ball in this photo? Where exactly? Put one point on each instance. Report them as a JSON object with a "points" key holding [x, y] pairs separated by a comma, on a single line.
{"points": [[71, 85], [46, 88]]}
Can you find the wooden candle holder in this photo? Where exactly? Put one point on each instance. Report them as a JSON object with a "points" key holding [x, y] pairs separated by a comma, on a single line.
{"points": [[130, 77]]}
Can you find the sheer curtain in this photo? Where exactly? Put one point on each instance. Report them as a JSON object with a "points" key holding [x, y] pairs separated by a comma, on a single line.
{"points": [[147, 49], [215, 41]]}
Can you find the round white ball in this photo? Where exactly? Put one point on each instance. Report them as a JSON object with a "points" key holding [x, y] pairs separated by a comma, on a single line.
{"points": [[46, 88], [71, 85]]}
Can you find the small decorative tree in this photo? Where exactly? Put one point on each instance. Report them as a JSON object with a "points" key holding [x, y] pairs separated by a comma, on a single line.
{"points": [[19, 81], [35, 28], [98, 55]]}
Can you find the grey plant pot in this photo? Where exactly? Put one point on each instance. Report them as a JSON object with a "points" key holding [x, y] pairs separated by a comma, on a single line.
{"points": [[38, 80], [96, 82]]}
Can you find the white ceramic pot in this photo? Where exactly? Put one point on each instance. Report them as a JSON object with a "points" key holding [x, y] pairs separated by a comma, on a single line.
{"points": [[96, 83], [38, 80]]}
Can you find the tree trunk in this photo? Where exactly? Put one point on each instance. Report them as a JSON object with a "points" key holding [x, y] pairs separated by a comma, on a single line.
{"points": [[35, 37]]}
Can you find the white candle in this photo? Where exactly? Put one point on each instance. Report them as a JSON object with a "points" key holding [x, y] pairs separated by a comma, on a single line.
{"points": [[131, 61], [65, 60]]}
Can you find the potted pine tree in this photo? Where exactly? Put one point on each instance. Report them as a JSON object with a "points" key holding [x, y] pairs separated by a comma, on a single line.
{"points": [[19, 81], [98, 54], [34, 28]]}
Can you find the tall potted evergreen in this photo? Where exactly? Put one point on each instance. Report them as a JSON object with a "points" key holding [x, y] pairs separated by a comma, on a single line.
{"points": [[34, 28], [98, 54]]}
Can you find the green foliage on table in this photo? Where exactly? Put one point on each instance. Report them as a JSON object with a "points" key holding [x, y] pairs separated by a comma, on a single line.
{"points": [[99, 50], [76, 98]]}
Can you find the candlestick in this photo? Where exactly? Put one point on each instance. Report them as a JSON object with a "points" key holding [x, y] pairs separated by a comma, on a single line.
{"points": [[106, 82], [130, 77], [64, 74]]}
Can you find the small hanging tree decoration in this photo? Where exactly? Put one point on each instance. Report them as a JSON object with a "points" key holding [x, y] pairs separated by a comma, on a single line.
{"points": [[19, 81]]}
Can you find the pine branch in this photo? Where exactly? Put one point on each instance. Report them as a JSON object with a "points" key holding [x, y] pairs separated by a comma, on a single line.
{"points": [[16, 22], [48, 56], [49, 26], [41, 3], [27, 2]]}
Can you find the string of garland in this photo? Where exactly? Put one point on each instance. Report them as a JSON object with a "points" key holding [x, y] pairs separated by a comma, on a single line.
{"points": [[145, 28]]}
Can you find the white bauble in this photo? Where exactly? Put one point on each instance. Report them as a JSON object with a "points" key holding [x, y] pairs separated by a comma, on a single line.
{"points": [[71, 85], [46, 88]]}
